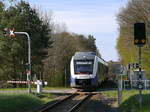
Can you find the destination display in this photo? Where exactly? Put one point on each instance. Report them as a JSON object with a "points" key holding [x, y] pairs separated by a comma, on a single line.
{"points": [[84, 62]]}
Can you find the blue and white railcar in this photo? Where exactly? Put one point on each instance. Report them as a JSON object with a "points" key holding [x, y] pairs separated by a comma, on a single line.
{"points": [[87, 70]]}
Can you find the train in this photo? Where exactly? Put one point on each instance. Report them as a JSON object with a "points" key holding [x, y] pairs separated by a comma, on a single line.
{"points": [[87, 70]]}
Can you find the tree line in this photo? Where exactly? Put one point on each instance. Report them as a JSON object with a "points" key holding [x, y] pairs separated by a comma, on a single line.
{"points": [[51, 47], [134, 11]]}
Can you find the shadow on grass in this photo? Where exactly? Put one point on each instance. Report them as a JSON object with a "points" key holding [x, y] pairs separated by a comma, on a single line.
{"points": [[18, 103], [132, 104]]}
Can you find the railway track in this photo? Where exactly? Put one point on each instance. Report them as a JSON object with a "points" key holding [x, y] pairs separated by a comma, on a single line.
{"points": [[70, 103]]}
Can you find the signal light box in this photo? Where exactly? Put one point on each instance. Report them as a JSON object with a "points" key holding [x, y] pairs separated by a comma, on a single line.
{"points": [[139, 34]]}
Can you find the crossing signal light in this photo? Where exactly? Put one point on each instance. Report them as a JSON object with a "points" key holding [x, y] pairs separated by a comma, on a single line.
{"points": [[139, 34], [6, 32], [11, 32]]}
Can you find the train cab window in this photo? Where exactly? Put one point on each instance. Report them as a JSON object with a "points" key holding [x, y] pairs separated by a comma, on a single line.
{"points": [[83, 67]]}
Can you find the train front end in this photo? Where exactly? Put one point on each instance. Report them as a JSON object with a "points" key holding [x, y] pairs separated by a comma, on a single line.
{"points": [[83, 73]]}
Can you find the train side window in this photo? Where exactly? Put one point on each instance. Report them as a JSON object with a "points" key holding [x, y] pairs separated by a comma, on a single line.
{"points": [[99, 69]]}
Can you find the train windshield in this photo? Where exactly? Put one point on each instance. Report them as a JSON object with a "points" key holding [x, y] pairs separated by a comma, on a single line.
{"points": [[83, 67]]}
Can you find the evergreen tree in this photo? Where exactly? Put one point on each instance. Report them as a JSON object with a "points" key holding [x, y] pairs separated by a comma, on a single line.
{"points": [[14, 50]]}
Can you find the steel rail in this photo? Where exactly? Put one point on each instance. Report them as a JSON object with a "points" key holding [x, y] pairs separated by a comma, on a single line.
{"points": [[78, 105], [48, 107]]}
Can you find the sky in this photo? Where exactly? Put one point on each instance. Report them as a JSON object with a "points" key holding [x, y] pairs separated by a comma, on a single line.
{"points": [[95, 17]]}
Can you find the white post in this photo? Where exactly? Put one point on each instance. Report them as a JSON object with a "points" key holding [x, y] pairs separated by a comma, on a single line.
{"points": [[39, 86]]}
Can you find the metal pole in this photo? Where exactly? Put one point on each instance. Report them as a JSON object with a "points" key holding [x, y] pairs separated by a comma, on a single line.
{"points": [[119, 89], [29, 59], [140, 79], [65, 77]]}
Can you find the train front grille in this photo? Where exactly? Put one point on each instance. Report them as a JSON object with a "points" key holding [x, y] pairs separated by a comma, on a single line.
{"points": [[83, 82]]}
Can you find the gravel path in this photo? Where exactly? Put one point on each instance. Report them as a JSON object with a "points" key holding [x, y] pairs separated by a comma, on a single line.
{"points": [[99, 103]]}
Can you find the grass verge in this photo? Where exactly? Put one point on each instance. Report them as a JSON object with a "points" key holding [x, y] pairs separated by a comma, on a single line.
{"points": [[112, 94], [45, 88], [22, 102], [46, 97], [131, 101]]}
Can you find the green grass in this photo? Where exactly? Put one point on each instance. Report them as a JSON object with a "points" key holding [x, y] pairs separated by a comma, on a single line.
{"points": [[14, 89], [112, 93], [18, 102], [45, 88], [46, 97], [131, 101], [12, 102], [22, 102]]}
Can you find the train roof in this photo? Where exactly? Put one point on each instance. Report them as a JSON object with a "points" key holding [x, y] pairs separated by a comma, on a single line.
{"points": [[84, 55], [88, 56], [103, 61]]}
